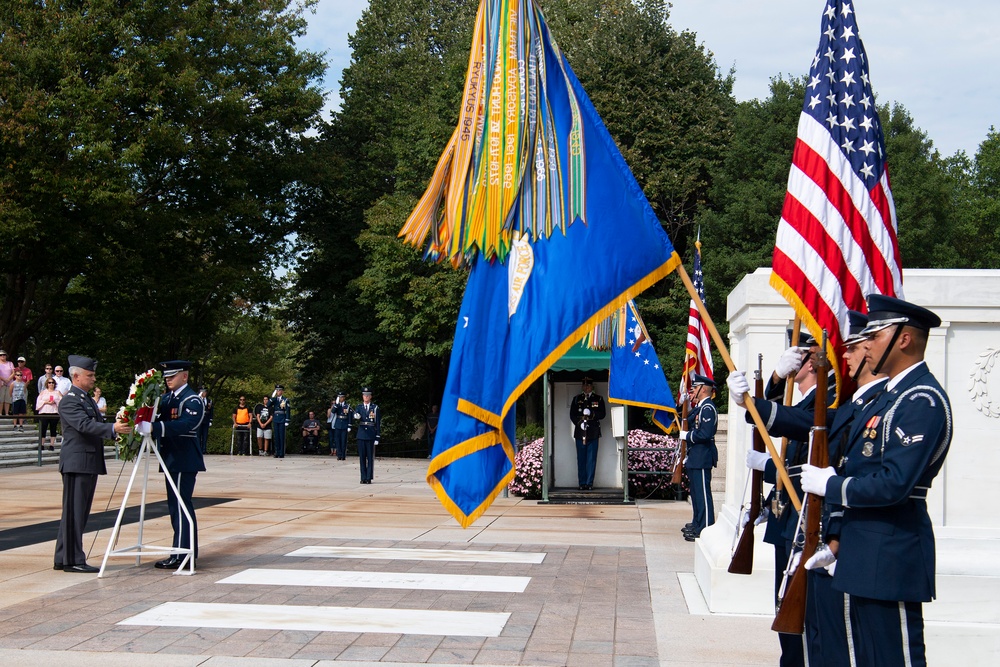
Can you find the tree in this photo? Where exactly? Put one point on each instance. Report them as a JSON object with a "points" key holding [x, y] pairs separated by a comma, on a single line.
{"points": [[150, 154]]}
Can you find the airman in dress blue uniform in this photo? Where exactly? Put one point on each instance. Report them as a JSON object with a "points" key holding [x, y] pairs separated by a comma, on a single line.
{"points": [[896, 446], [175, 431], [702, 454], [281, 408], [340, 425], [369, 418], [81, 460], [825, 627]]}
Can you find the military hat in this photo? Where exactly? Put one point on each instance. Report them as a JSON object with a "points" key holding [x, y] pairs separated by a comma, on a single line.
{"points": [[805, 338], [884, 311], [278, 386], [856, 324], [340, 392], [172, 368], [588, 380], [700, 380], [86, 363], [366, 390]]}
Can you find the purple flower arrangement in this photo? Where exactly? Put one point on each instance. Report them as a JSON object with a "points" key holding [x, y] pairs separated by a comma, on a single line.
{"points": [[647, 452]]}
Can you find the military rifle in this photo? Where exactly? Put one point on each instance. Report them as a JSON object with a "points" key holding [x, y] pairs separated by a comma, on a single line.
{"points": [[791, 614], [678, 472], [742, 562]]}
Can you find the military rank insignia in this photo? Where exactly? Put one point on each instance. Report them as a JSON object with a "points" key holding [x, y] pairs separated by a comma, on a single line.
{"points": [[871, 427]]}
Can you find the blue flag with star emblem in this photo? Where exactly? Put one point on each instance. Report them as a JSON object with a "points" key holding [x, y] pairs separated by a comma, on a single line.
{"points": [[521, 312], [636, 377]]}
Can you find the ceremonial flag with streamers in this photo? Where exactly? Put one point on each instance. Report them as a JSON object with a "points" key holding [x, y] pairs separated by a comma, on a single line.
{"points": [[836, 241], [531, 193], [635, 377]]}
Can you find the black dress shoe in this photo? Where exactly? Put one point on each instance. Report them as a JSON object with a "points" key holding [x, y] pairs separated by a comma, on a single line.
{"points": [[84, 568], [171, 563], [690, 537], [57, 566]]}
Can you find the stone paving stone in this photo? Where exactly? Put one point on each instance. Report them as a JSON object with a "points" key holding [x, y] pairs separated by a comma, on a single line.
{"points": [[530, 657], [589, 660], [635, 661], [408, 654], [497, 657], [454, 656]]}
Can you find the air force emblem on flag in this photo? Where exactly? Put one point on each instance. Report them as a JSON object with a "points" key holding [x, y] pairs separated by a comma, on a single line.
{"points": [[519, 266]]}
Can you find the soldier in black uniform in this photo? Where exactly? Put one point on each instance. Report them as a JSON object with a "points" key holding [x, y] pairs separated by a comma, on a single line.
{"points": [[80, 462], [179, 417], [586, 413], [369, 418]]}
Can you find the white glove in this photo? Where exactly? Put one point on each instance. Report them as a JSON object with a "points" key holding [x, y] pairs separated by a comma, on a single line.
{"points": [[376, 443], [683, 435], [794, 565], [586, 412], [143, 428], [762, 517], [814, 479], [348, 429], [790, 362], [683, 398], [757, 460], [738, 386], [685, 461], [831, 568], [357, 415], [745, 520], [583, 426], [821, 558]]}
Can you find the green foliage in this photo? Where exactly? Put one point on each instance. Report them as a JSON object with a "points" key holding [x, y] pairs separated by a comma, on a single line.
{"points": [[150, 153], [530, 432]]}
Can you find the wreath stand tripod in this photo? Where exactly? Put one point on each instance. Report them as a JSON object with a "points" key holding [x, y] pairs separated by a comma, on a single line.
{"points": [[146, 453]]}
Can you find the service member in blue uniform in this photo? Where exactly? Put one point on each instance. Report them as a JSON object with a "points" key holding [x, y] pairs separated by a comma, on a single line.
{"points": [[586, 412], [702, 454], [81, 460], [175, 431], [897, 445], [782, 518], [369, 418], [825, 629], [339, 418], [281, 408]]}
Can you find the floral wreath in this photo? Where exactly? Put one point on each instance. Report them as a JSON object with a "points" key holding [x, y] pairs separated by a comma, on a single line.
{"points": [[138, 407]]}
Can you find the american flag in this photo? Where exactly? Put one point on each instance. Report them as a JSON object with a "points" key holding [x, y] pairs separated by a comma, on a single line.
{"points": [[698, 355], [836, 241]]}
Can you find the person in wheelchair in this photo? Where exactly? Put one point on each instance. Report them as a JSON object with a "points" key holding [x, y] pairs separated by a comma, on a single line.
{"points": [[310, 434]]}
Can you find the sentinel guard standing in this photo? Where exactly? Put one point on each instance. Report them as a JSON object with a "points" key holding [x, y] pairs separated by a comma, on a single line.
{"points": [[586, 413], [702, 454], [369, 419], [178, 419]]}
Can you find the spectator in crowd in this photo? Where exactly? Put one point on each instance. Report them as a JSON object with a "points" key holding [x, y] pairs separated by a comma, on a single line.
{"points": [[18, 400], [206, 422], [241, 427], [263, 417], [6, 378], [310, 433], [47, 403], [22, 365], [63, 383], [102, 403], [44, 378]]}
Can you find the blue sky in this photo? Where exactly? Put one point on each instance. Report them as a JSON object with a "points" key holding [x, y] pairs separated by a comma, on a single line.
{"points": [[931, 56]]}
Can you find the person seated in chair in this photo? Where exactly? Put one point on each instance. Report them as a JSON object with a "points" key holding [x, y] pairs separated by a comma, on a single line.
{"points": [[310, 434]]}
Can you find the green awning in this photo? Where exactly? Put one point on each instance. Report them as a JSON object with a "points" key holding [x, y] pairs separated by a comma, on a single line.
{"points": [[581, 358]]}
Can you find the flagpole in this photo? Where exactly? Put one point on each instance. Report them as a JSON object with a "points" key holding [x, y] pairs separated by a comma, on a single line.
{"points": [[749, 405], [789, 388]]}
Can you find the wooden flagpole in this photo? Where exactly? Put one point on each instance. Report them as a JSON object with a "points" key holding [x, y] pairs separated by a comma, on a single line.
{"points": [[779, 463]]}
